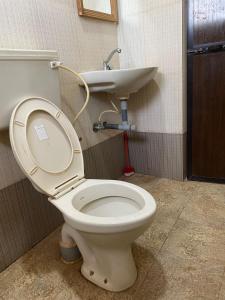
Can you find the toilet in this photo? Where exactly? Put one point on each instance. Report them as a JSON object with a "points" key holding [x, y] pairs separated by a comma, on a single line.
{"points": [[103, 217]]}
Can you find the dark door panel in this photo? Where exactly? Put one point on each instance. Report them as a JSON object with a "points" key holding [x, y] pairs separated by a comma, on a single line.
{"points": [[208, 116], [206, 22]]}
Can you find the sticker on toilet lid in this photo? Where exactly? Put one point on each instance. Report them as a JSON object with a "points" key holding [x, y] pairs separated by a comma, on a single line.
{"points": [[41, 132]]}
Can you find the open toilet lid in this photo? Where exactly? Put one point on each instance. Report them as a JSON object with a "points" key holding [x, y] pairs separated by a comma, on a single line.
{"points": [[46, 145]]}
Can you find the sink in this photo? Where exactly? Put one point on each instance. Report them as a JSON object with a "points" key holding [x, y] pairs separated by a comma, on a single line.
{"points": [[121, 83]]}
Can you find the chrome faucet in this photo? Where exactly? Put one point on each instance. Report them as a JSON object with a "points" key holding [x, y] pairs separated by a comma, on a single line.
{"points": [[106, 64]]}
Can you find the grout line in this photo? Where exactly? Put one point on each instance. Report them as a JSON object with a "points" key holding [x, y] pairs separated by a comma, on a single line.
{"points": [[220, 286], [178, 217]]}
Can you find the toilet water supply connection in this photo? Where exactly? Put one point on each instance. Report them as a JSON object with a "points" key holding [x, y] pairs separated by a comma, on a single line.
{"points": [[125, 126], [116, 110], [56, 64]]}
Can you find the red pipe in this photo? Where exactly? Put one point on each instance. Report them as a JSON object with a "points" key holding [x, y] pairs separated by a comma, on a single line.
{"points": [[128, 169]]}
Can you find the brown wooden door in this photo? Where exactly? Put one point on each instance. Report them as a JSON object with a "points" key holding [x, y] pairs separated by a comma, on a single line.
{"points": [[206, 90], [208, 115]]}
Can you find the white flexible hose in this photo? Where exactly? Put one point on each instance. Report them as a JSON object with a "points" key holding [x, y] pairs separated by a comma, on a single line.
{"points": [[116, 111], [86, 88]]}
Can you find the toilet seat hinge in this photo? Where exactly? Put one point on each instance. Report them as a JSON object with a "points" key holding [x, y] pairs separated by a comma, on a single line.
{"points": [[68, 189]]}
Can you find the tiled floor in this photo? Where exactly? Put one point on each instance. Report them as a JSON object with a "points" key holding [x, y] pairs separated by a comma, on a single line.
{"points": [[181, 256]]}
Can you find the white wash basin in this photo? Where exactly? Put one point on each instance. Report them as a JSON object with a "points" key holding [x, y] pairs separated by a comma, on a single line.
{"points": [[122, 82]]}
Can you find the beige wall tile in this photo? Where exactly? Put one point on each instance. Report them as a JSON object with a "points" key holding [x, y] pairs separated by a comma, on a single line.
{"points": [[151, 33], [82, 44]]}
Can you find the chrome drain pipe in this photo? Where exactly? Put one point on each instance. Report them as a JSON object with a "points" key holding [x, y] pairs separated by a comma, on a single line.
{"points": [[125, 125]]}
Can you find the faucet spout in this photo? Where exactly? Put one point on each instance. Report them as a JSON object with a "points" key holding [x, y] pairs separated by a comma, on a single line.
{"points": [[106, 64]]}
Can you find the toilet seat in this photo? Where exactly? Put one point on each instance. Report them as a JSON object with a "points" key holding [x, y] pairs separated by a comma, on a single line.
{"points": [[46, 146], [71, 203]]}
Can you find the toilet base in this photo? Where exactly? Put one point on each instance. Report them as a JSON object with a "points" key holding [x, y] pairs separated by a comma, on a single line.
{"points": [[107, 261], [118, 277], [69, 253]]}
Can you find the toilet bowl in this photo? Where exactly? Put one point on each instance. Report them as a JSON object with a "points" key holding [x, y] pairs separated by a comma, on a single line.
{"points": [[103, 217]]}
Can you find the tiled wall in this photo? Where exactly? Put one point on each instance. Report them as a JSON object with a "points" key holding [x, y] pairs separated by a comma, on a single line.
{"points": [[151, 33], [159, 154], [82, 44]]}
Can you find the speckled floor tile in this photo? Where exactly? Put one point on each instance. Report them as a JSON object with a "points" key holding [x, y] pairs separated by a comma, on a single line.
{"points": [[191, 240], [179, 278], [181, 256], [207, 208]]}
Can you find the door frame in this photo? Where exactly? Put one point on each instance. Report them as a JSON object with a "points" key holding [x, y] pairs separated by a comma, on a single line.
{"points": [[189, 88]]}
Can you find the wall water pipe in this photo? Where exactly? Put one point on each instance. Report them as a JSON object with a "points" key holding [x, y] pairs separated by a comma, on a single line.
{"points": [[125, 125], [128, 170]]}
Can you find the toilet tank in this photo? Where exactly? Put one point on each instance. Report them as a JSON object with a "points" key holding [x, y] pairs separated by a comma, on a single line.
{"points": [[24, 74]]}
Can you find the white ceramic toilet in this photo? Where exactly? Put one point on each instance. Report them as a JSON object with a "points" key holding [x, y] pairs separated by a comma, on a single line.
{"points": [[103, 217]]}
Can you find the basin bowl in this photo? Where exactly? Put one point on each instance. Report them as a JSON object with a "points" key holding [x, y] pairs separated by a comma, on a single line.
{"points": [[121, 82]]}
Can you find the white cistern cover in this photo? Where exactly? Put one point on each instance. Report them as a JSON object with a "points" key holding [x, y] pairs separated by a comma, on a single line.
{"points": [[46, 145]]}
